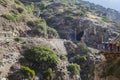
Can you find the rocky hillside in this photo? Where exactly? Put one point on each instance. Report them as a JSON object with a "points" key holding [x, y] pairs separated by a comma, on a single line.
{"points": [[46, 39], [18, 20], [78, 20], [30, 49], [112, 14]]}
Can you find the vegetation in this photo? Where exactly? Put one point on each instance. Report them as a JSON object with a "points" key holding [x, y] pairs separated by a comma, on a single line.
{"points": [[81, 13], [48, 74], [13, 18], [29, 72], [18, 2], [52, 32], [69, 17], [10, 17], [42, 56], [105, 19], [79, 59], [74, 68], [83, 48], [39, 27], [63, 57], [113, 68], [30, 8], [43, 5], [20, 9]]}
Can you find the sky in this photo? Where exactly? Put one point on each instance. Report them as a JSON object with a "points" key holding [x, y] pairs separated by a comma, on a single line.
{"points": [[114, 4]]}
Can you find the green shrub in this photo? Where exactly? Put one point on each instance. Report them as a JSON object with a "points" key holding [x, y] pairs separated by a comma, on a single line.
{"points": [[34, 23], [48, 74], [78, 59], [74, 68], [43, 5], [9, 17], [20, 9], [39, 27], [52, 32], [42, 56], [69, 17], [63, 57], [105, 19], [30, 8], [82, 47], [29, 72], [81, 13], [13, 18], [18, 2]]}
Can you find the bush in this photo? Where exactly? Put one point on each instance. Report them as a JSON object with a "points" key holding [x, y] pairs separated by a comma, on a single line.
{"points": [[81, 13], [74, 68], [30, 8], [39, 27], [82, 47], [78, 59], [63, 57], [10, 17], [20, 9], [29, 72], [51, 32], [42, 56], [105, 19], [48, 74], [43, 5], [69, 17], [13, 18], [18, 2]]}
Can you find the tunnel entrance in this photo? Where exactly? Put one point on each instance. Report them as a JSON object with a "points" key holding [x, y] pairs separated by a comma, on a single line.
{"points": [[79, 36]]}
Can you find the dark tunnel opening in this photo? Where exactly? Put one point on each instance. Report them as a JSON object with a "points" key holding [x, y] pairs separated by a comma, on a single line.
{"points": [[79, 36]]}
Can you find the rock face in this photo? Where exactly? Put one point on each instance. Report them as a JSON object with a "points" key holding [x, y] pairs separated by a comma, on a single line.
{"points": [[80, 21], [83, 29]]}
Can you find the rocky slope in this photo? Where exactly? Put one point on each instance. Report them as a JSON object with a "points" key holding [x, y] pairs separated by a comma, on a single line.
{"points": [[20, 31], [78, 20]]}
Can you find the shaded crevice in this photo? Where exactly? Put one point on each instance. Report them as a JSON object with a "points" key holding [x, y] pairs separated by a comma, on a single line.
{"points": [[79, 36]]}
